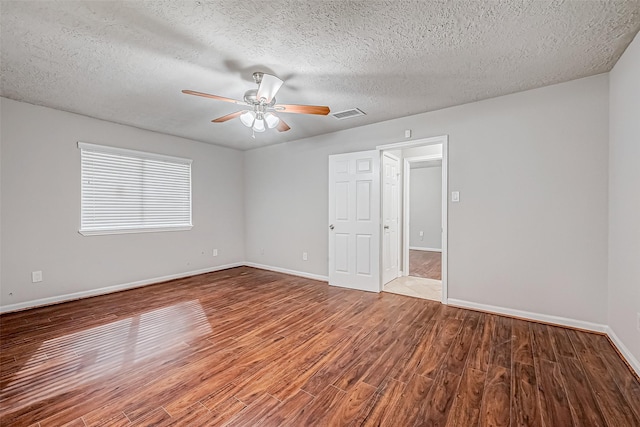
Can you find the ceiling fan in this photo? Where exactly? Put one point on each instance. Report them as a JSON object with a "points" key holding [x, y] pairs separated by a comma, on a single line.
{"points": [[262, 105]]}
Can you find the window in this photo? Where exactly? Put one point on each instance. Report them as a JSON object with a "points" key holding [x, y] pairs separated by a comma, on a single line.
{"points": [[126, 191]]}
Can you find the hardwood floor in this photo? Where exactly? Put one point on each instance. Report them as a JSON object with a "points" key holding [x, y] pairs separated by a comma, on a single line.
{"points": [[246, 347], [425, 264]]}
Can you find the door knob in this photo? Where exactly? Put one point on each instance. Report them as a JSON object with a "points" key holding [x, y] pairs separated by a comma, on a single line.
{"points": [[331, 227], [386, 227]]}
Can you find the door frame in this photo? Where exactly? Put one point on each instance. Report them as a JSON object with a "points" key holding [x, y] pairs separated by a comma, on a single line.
{"points": [[444, 140]]}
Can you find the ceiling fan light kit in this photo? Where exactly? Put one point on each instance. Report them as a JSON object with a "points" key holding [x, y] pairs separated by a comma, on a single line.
{"points": [[262, 103], [272, 120], [258, 125], [247, 118]]}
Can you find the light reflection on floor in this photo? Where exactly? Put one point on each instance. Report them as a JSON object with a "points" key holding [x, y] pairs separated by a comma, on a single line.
{"points": [[80, 357]]}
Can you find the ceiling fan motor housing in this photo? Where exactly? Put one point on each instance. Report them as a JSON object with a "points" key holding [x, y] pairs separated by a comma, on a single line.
{"points": [[251, 98]]}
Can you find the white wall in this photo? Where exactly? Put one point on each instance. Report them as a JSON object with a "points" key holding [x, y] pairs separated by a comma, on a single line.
{"points": [[40, 201], [624, 199], [425, 210], [530, 231]]}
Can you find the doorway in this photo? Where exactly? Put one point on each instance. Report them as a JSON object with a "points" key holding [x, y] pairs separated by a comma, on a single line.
{"points": [[423, 224], [362, 255]]}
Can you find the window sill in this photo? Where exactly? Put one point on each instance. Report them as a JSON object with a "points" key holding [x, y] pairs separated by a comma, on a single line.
{"points": [[133, 230]]}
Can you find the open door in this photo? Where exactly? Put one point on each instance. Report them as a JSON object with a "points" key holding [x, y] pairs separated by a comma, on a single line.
{"points": [[354, 220], [390, 214]]}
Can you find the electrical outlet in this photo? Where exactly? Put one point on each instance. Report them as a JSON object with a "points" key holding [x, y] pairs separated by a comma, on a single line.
{"points": [[304, 256], [215, 252], [36, 276]]}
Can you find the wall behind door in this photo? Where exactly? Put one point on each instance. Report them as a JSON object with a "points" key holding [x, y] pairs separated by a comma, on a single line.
{"points": [[425, 212]]}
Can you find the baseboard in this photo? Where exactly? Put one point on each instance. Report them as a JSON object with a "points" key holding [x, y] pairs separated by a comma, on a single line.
{"points": [[287, 271], [122, 287], [527, 315], [624, 351], [109, 289], [418, 248]]}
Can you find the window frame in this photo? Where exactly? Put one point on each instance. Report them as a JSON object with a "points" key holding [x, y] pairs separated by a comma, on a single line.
{"points": [[142, 155]]}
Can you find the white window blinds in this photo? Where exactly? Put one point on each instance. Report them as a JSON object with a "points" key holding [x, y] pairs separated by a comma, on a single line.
{"points": [[126, 191]]}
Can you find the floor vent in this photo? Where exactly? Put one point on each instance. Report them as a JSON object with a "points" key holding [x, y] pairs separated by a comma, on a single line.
{"points": [[347, 114]]}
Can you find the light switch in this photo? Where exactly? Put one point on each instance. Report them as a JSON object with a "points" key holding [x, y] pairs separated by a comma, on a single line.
{"points": [[421, 233], [36, 276], [455, 196]]}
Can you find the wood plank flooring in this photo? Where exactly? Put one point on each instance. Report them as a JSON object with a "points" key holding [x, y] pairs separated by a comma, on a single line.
{"points": [[247, 347], [425, 264]]}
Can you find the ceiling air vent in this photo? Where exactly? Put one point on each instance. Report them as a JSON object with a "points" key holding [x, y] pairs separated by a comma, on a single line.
{"points": [[347, 114]]}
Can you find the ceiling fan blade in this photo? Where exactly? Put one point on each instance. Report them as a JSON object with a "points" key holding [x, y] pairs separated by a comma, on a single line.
{"points": [[282, 126], [228, 117], [208, 95], [302, 109], [269, 86]]}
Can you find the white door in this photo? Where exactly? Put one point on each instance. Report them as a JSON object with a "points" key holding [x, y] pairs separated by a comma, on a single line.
{"points": [[390, 214], [354, 220]]}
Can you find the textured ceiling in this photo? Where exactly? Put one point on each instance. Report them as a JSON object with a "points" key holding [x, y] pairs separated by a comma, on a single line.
{"points": [[127, 61]]}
